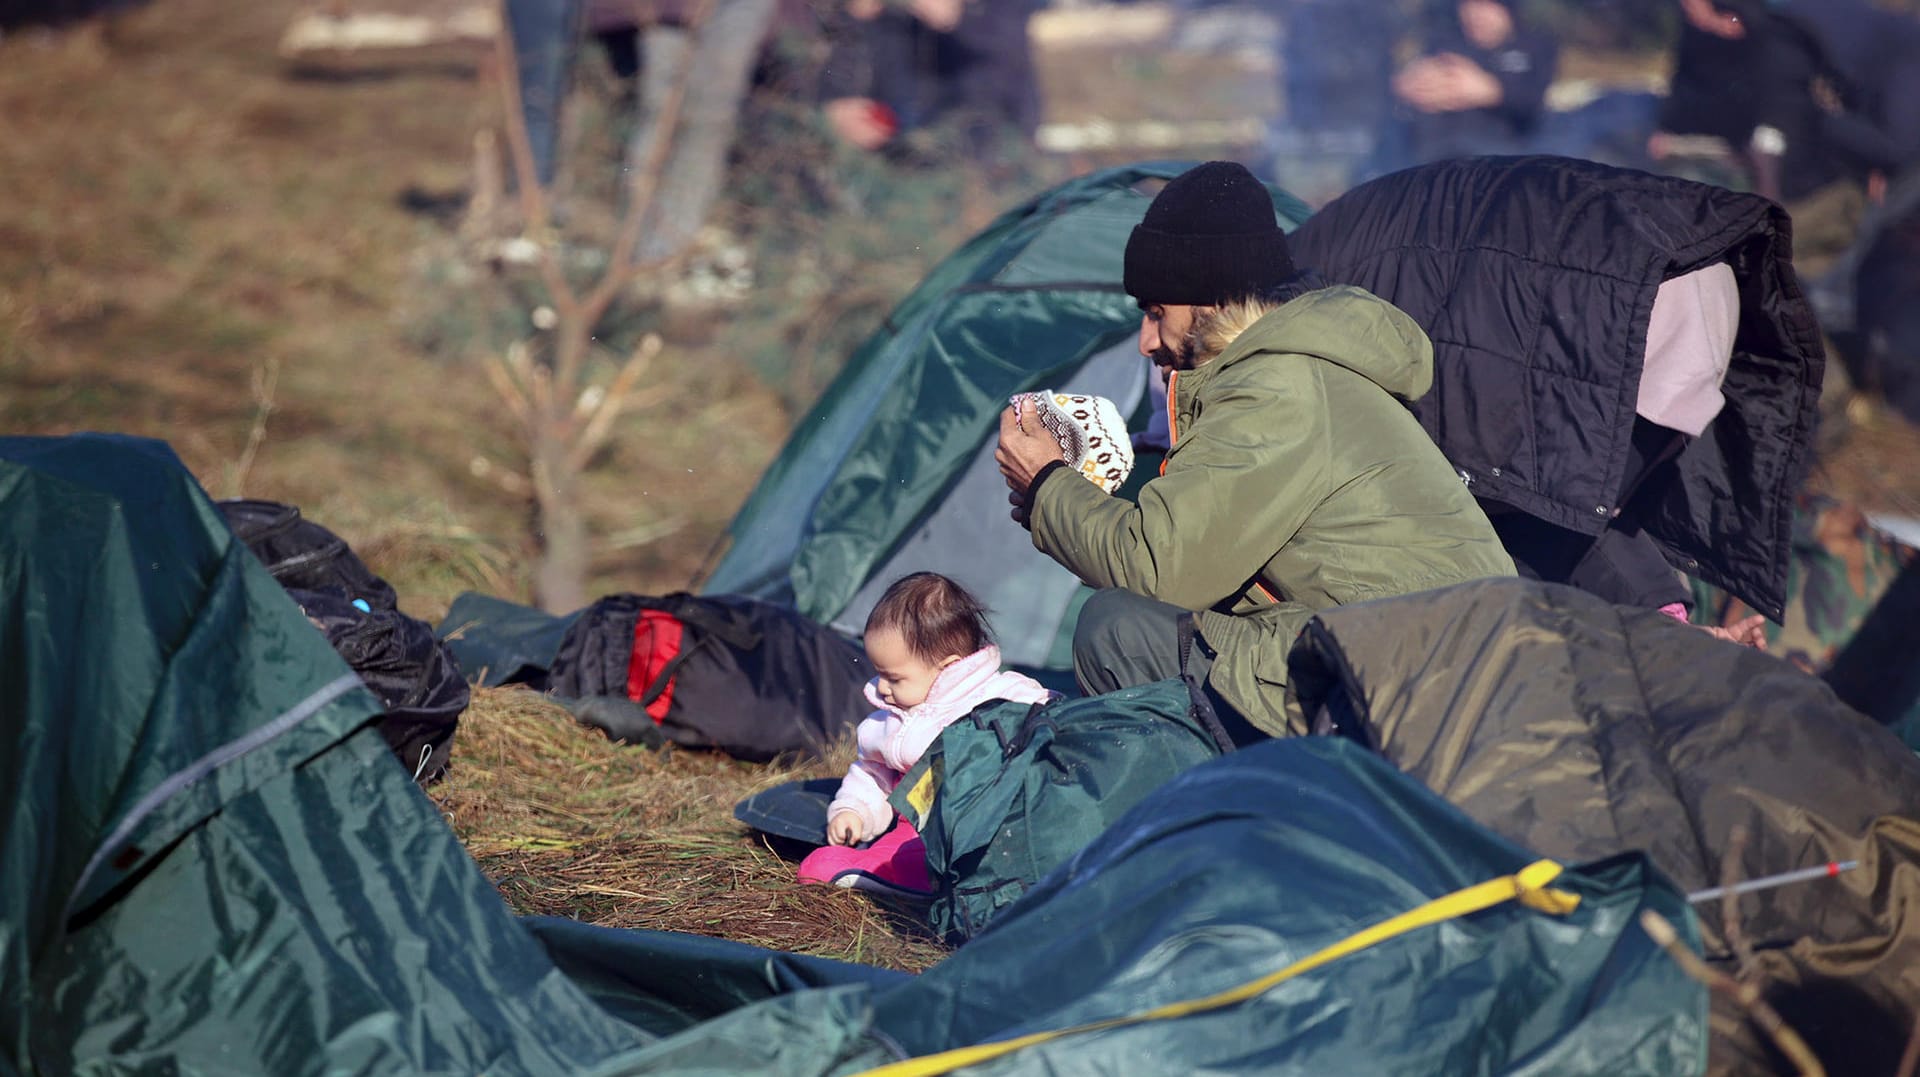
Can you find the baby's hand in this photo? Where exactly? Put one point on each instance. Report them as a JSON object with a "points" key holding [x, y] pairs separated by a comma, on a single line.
{"points": [[843, 828], [1750, 632]]}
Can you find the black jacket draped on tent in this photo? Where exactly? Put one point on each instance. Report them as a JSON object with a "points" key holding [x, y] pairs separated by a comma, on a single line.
{"points": [[1535, 277]]}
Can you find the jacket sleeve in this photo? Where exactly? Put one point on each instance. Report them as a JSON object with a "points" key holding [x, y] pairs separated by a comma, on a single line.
{"points": [[1523, 92], [864, 792], [1237, 486]]}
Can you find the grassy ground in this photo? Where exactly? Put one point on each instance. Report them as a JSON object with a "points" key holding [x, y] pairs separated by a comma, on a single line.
{"points": [[261, 266]]}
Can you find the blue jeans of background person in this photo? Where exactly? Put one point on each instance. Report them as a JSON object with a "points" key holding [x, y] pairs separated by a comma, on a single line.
{"points": [[1613, 128], [546, 35], [1336, 67]]}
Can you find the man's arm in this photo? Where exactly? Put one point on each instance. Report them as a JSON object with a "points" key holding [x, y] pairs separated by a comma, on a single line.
{"points": [[1236, 489]]}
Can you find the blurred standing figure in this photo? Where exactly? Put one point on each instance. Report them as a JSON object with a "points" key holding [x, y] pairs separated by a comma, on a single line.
{"points": [[1336, 70], [545, 35], [1478, 87], [653, 41], [1809, 91]]}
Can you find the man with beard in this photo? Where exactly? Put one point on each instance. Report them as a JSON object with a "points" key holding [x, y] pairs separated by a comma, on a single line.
{"points": [[1297, 478]]}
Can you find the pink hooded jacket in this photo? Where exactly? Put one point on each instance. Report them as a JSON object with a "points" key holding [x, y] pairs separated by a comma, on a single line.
{"points": [[893, 740]]}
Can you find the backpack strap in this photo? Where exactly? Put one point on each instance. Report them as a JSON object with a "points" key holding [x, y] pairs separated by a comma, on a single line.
{"points": [[1199, 703], [1037, 718], [710, 622], [671, 667], [711, 618]]}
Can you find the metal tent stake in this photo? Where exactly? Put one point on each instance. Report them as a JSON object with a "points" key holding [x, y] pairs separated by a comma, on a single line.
{"points": [[1768, 882]]}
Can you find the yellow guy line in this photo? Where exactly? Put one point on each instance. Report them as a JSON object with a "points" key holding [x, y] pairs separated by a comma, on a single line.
{"points": [[1527, 886]]}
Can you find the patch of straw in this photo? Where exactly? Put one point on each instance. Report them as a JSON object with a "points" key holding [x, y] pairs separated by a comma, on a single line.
{"points": [[569, 823]]}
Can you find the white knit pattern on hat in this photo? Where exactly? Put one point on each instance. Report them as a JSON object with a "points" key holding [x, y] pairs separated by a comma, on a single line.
{"points": [[1091, 433]]}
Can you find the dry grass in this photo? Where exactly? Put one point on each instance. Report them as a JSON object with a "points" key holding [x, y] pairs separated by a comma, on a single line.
{"points": [[180, 211], [1870, 462], [568, 823]]}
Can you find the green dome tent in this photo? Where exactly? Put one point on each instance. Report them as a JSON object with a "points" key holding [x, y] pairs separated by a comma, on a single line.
{"points": [[209, 859], [892, 470]]}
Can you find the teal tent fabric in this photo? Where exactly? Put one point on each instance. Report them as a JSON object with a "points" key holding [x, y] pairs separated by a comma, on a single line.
{"points": [[892, 468], [1232, 871], [665, 982], [1012, 791], [501, 642], [1243, 865], [209, 860]]}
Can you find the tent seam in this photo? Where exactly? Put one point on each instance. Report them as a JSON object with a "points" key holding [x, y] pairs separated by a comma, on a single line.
{"points": [[203, 766]]}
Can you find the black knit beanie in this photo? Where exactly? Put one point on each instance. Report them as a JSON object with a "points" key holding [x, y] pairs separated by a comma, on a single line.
{"points": [[1208, 238]]}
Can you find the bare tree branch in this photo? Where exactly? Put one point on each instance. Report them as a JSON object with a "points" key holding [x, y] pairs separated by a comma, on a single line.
{"points": [[564, 417], [533, 197], [1730, 924], [511, 392], [1746, 994], [609, 406], [265, 378]]}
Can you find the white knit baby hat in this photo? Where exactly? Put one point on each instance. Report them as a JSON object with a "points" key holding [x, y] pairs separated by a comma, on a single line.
{"points": [[1090, 432]]}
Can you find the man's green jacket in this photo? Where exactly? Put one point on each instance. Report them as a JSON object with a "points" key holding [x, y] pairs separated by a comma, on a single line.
{"points": [[1296, 481]]}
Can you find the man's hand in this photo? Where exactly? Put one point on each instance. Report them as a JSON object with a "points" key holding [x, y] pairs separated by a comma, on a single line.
{"points": [[843, 828], [1447, 82], [1025, 447], [1748, 632], [941, 15]]}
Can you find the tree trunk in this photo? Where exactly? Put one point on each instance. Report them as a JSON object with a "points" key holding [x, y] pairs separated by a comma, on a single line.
{"points": [[560, 526], [560, 574]]}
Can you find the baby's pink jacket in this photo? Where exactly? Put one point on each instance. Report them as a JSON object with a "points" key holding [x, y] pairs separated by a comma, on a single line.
{"points": [[893, 740]]}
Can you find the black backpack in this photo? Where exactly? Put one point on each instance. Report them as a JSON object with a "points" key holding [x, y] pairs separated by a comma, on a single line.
{"points": [[749, 678], [415, 676], [301, 554]]}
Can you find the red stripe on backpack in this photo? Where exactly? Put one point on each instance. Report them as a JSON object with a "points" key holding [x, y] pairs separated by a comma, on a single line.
{"points": [[656, 641]]}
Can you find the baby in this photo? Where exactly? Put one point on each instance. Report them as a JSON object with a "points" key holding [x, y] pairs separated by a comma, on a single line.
{"points": [[930, 646]]}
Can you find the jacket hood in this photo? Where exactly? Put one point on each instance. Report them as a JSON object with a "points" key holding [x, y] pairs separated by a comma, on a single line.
{"points": [[1348, 326]]}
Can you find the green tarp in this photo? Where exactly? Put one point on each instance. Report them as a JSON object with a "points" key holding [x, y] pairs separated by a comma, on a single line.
{"points": [[1011, 791], [213, 864]]}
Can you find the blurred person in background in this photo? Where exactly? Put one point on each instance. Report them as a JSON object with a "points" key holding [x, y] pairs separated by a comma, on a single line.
{"points": [[1478, 87], [648, 43], [899, 67], [1819, 102], [1810, 94], [1336, 72]]}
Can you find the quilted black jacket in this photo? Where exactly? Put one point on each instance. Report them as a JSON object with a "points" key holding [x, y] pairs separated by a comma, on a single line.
{"points": [[1535, 278]]}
